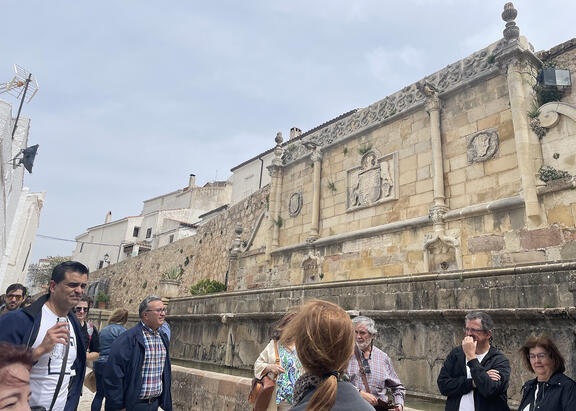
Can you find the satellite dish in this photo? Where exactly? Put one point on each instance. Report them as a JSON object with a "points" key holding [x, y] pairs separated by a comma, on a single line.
{"points": [[28, 156]]}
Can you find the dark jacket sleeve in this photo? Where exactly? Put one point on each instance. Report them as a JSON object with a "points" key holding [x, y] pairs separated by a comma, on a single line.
{"points": [[484, 384], [451, 381], [568, 398], [95, 341], [115, 373]]}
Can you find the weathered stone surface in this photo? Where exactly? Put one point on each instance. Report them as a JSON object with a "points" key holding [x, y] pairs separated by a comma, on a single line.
{"points": [[482, 244], [523, 257], [541, 238]]}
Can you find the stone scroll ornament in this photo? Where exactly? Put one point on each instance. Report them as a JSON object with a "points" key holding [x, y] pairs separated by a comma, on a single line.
{"points": [[373, 182], [482, 146]]}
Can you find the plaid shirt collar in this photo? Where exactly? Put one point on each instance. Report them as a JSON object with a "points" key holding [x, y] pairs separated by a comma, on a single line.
{"points": [[149, 330]]}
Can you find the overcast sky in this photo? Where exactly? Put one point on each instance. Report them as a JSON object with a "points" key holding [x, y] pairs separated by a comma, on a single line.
{"points": [[135, 95]]}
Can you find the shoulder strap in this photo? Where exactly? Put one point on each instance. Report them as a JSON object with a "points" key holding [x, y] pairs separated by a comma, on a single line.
{"points": [[62, 372], [364, 379], [276, 352]]}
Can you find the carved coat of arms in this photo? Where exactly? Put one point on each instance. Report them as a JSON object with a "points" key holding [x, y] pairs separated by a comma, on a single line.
{"points": [[372, 182]]}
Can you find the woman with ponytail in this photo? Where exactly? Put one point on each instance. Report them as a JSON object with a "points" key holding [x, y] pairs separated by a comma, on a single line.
{"points": [[324, 339]]}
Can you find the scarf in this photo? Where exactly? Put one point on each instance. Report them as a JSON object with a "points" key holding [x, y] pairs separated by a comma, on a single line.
{"points": [[306, 383]]}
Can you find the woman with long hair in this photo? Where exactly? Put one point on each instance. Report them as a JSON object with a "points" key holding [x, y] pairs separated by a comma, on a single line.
{"points": [[108, 334], [324, 339], [551, 390], [286, 372]]}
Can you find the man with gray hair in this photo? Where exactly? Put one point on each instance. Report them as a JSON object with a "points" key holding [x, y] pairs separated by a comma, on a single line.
{"points": [[371, 370], [475, 375], [137, 376]]}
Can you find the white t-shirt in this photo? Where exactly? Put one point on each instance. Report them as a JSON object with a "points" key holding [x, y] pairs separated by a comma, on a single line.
{"points": [[46, 372], [467, 401]]}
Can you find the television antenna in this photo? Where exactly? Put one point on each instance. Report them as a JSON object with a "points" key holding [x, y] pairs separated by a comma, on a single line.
{"points": [[22, 84]]}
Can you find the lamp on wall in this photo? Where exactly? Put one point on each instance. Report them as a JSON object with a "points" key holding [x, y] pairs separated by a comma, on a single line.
{"points": [[107, 258], [555, 77]]}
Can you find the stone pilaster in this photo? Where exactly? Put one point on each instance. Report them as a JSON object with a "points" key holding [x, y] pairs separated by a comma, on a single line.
{"points": [[275, 199], [521, 67], [316, 158]]}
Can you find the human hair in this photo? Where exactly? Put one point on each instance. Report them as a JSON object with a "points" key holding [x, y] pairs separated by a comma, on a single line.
{"points": [[366, 322], [12, 354], [119, 316], [86, 299], [281, 324], [485, 319], [144, 304], [324, 338], [545, 342], [59, 272], [16, 286]]}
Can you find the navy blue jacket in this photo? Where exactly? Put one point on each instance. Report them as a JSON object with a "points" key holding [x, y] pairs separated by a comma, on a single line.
{"points": [[559, 394], [123, 373], [20, 327], [488, 395]]}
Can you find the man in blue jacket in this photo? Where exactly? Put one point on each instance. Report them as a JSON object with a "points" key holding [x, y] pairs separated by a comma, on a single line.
{"points": [[54, 336], [137, 376]]}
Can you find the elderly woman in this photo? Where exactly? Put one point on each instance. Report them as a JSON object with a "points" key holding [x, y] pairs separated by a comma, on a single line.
{"points": [[324, 338], [551, 390], [285, 372], [15, 365], [371, 370]]}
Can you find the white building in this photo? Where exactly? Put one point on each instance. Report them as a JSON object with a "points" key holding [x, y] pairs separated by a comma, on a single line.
{"points": [[163, 220], [19, 209]]}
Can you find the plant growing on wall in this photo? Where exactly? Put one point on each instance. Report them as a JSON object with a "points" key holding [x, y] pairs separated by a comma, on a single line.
{"points": [[345, 150], [207, 286], [279, 221], [331, 186], [547, 173], [364, 149], [102, 297], [173, 273]]}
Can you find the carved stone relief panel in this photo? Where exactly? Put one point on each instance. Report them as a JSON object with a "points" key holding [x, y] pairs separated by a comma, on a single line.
{"points": [[311, 269], [295, 204], [482, 146], [373, 182]]}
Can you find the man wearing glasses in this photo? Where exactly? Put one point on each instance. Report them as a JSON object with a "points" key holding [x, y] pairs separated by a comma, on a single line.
{"points": [[15, 294], [137, 377], [53, 333], [371, 370], [475, 375]]}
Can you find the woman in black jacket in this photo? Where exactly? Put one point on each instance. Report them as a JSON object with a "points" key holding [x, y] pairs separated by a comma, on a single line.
{"points": [[551, 390]]}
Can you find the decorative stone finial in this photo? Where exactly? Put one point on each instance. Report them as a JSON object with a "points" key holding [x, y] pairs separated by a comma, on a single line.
{"points": [[278, 138], [512, 31]]}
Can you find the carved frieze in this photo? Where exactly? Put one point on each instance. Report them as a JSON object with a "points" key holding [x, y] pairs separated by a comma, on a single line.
{"points": [[482, 146], [449, 78], [295, 204], [374, 181]]}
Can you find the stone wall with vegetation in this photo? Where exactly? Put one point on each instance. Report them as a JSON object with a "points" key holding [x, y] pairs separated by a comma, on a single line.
{"points": [[204, 255]]}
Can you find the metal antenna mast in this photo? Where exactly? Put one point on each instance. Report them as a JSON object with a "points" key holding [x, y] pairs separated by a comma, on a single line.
{"points": [[19, 87]]}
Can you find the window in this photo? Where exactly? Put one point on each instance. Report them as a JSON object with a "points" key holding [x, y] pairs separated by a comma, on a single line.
{"points": [[100, 264], [171, 238], [149, 233], [136, 232]]}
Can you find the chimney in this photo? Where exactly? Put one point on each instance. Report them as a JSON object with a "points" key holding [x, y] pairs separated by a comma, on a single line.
{"points": [[192, 181], [295, 132], [108, 217]]}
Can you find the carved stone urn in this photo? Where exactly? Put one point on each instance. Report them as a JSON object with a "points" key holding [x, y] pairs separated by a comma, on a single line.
{"points": [[168, 288]]}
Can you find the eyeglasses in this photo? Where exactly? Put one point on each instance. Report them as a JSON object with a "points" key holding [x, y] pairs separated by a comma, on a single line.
{"points": [[474, 330], [366, 366], [159, 310], [540, 356], [14, 297], [80, 309]]}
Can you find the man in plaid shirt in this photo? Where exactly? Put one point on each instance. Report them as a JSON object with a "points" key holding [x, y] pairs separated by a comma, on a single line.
{"points": [[137, 376], [376, 366]]}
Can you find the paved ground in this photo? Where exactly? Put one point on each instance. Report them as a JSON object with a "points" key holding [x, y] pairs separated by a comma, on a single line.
{"points": [[86, 398]]}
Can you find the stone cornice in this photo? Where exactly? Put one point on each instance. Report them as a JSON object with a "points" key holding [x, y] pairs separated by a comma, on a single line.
{"points": [[452, 77]]}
